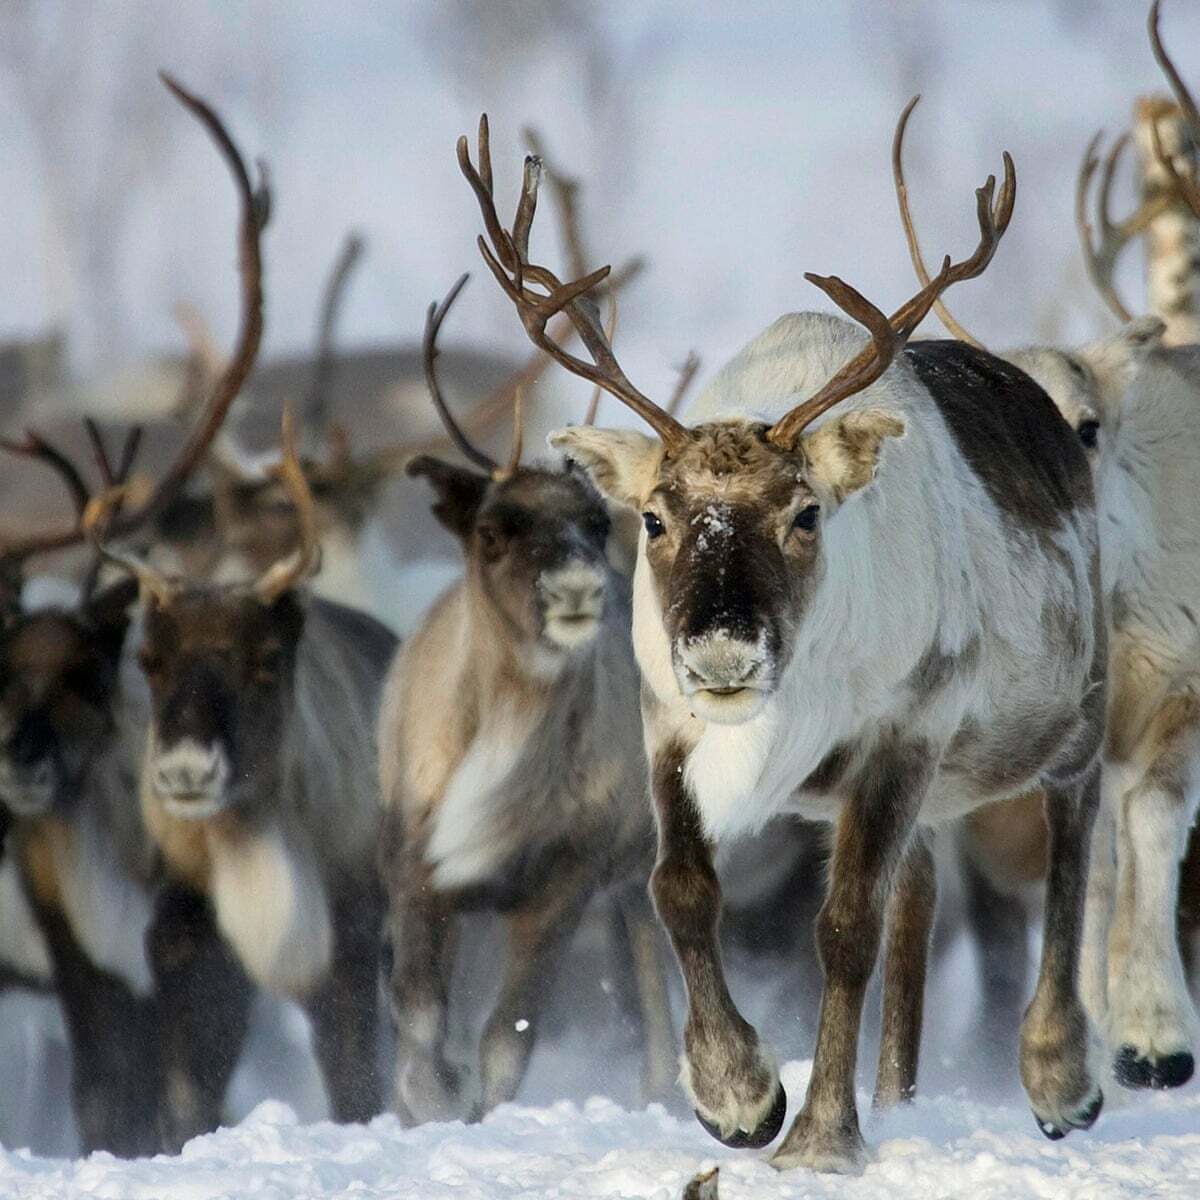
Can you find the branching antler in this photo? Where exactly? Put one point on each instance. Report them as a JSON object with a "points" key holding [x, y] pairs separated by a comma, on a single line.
{"points": [[255, 210], [507, 255], [1186, 185], [1100, 259], [35, 446], [889, 334]]}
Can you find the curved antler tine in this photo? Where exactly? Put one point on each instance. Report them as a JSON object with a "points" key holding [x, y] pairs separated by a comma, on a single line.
{"points": [[305, 560], [953, 326], [1008, 195], [1182, 95], [429, 352], [35, 446], [526, 207], [1104, 197], [687, 372], [484, 142], [505, 473]]}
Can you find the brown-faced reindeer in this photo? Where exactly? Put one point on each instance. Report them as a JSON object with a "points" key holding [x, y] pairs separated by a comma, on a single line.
{"points": [[1131, 401], [259, 790], [849, 620], [511, 766], [72, 731]]}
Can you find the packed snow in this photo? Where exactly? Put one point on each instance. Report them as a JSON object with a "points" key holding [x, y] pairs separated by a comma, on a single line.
{"points": [[947, 1146]]}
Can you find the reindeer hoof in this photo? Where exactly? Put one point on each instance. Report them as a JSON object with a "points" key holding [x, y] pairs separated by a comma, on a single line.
{"points": [[755, 1139], [1170, 1071], [1084, 1120]]}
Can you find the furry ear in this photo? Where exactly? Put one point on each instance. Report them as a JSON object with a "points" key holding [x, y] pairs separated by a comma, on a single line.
{"points": [[460, 491], [843, 453], [622, 463], [108, 614], [1115, 360]]}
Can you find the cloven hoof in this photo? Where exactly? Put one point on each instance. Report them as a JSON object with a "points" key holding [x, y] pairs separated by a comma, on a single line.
{"points": [[1085, 1120], [1170, 1071], [755, 1139]]}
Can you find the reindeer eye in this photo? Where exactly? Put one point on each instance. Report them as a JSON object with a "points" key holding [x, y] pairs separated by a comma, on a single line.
{"points": [[654, 527], [491, 541], [151, 662], [806, 518], [1088, 432]]}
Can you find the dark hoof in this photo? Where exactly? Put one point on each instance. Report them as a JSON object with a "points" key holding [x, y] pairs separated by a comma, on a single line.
{"points": [[1136, 1072], [764, 1135], [1085, 1120]]}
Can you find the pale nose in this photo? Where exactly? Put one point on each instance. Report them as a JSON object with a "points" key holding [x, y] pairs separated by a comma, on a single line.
{"points": [[575, 595], [722, 663], [186, 777]]}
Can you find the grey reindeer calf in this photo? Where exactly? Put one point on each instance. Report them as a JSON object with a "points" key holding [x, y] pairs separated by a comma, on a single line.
{"points": [[512, 768], [883, 621]]}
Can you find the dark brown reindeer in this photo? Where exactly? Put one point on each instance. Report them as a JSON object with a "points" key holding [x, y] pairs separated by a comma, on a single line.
{"points": [[512, 769], [259, 791], [826, 622], [72, 740]]}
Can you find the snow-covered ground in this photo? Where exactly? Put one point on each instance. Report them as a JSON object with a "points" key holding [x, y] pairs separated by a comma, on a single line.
{"points": [[948, 1146]]}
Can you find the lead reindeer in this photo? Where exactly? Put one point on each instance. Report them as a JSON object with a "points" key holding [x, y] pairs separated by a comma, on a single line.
{"points": [[883, 620], [512, 770], [1131, 401]]}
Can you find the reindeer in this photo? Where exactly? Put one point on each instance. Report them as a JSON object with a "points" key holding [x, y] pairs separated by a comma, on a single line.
{"points": [[848, 620], [511, 766], [72, 726], [1130, 400], [257, 787]]}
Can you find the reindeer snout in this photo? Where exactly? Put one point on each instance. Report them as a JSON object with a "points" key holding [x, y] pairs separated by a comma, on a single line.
{"points": [[192, 775], [573, 602]]}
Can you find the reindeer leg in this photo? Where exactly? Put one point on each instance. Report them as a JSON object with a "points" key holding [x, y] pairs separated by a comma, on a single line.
{"points": [[909, 924], [870, 842], [1151, 1020], [659, 1067], [537, 935], [420, 925], [728, 1076], [345, 1008], [203, 1000], [1056, 1032], [108, 1028]]}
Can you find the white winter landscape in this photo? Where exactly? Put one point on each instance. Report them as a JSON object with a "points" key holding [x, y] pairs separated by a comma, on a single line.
{"points": [[735, 145]]}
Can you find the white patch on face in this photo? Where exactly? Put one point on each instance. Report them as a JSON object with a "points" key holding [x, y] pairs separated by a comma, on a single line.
{"points": [[574, 604], [190, 779], [651, 645], [22, 948], [27, 793], [271, 905], [462, 849]]}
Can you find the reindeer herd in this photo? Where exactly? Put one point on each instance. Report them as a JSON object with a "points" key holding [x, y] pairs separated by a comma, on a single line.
{"points": [[913, 591]]}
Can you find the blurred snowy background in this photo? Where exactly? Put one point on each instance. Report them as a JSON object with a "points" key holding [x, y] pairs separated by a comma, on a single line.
{"points": [[736, 145]]}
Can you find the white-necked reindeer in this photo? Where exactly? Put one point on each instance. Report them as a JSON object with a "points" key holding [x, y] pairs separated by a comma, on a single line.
{"points": [[512, 769], [883, 620], [1132, 402]]}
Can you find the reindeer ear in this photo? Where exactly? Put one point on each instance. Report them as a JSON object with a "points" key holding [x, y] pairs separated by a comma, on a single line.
{"points": [[108, 614], [843, 453], [460, 492], [1115, 360], [622, 463]]}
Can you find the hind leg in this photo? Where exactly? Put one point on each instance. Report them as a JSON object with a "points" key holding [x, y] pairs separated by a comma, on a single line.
{"points": [[659, 1067], [1056, 1033], [906, 959], [1151, 1019]]}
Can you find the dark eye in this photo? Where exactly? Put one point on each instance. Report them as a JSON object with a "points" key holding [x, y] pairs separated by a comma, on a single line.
{"points": [[151, 662], [1088, 431], [806, 518], [654, 527]]}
